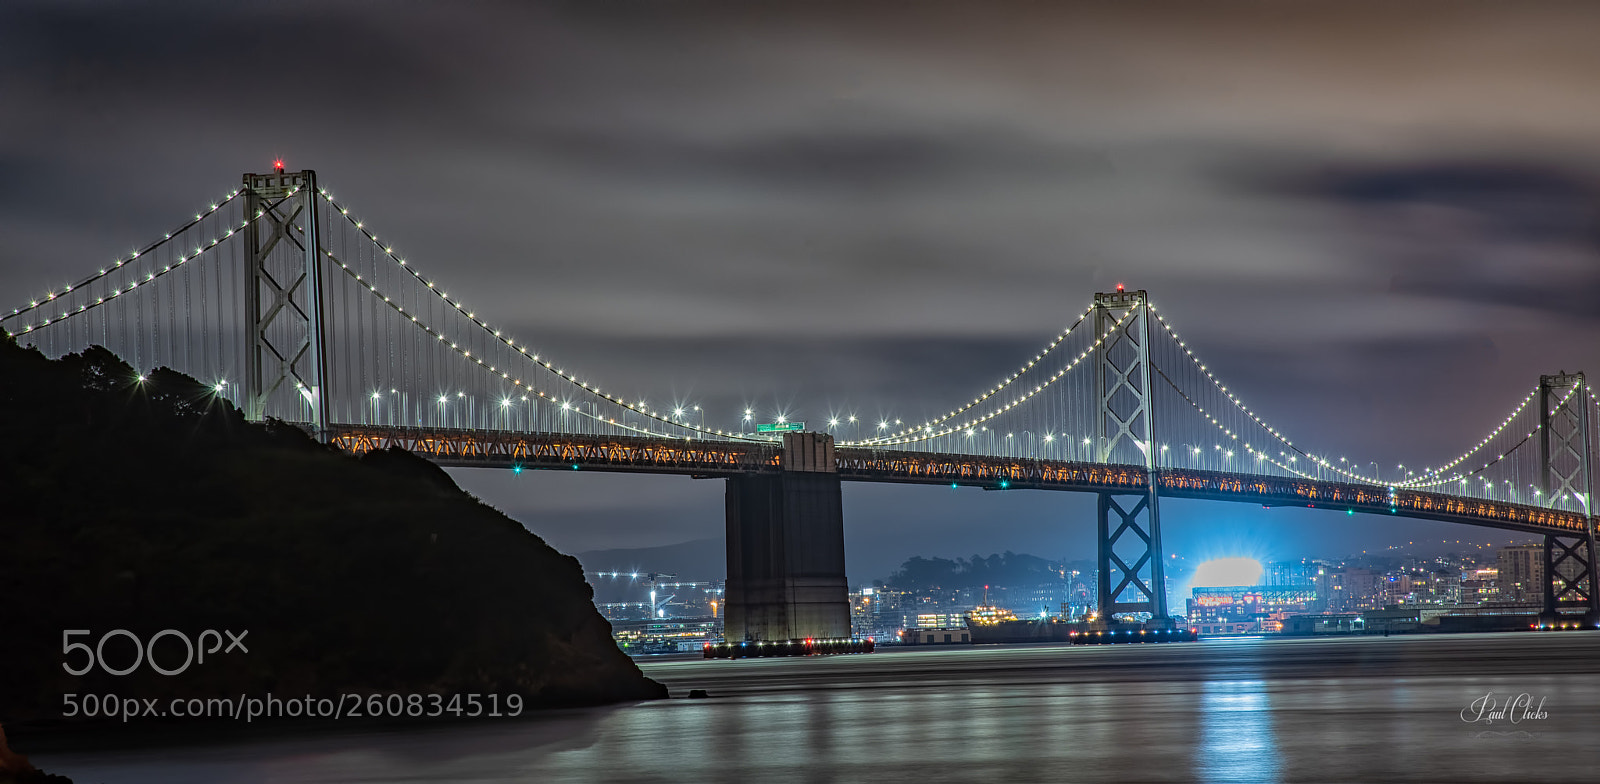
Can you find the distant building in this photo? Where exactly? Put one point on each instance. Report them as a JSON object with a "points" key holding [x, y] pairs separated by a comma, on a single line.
{"points": [[1396, 588], [940, 636], [1301, 572], [1352, 589], [1080, 595], [1480, 585], [879, 613], [1522, 577], [1521, 572], [1393, 619], [862, 612], [941, 620], [1039, 600], [1444, 586], [1324, 623], [1249, 609]]}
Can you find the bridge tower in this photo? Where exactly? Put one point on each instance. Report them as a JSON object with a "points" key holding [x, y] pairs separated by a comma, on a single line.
{"points": [[1564, 472], [284, 339], [1129, 523], [785, 539]]}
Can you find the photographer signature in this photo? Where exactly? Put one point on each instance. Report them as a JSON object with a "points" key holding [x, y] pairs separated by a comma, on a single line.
{"points": [[1515, 709]]}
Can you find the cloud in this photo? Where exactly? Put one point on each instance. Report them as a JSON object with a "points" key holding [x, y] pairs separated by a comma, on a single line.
{"points": [[829, 206], [1481, 232]]}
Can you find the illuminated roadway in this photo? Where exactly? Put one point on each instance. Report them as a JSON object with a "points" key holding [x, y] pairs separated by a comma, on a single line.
{"points": [[709, 458]]}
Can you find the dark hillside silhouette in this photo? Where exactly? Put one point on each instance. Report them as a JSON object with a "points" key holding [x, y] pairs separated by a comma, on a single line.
{"points": [[151, 505]]}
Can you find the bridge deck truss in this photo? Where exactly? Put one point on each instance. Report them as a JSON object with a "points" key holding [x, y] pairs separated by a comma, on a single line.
{"points": [[637, 454]]}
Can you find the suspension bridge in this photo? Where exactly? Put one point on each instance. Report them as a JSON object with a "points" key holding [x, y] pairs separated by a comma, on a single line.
{"points": [[294, 309]]}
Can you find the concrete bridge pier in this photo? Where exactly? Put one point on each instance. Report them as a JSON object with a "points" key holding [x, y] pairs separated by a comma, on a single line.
{"points": [[785, 539]]}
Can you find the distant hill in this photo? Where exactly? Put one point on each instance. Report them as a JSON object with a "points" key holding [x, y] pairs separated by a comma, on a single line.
{"points": [[152, 505], [1008, 568]]}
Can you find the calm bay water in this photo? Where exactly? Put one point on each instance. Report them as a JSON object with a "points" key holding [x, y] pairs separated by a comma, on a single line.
{"points": [[1341, 710]]}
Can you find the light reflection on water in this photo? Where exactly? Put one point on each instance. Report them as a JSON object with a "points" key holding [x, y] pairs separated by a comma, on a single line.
{"points": [[1244, 711], [1238, 743], [998, 733]]}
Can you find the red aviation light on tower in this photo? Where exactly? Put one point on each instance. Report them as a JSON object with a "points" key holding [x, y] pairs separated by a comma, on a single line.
{"points": [[277, 165], [1119, 285]]}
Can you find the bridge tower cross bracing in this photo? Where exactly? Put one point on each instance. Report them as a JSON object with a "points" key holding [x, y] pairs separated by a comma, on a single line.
{"points": [[1125, 433], [1565, 466], [284, 307]]}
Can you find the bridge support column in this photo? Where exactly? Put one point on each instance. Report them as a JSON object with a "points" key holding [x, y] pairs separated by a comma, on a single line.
{"points": [[785, 538], [283, 298], [1566, 482], [1568, 578], [1132, 579], [1125, 427]]}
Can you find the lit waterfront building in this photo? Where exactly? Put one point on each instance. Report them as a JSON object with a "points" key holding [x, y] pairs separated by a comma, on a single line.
{"points": [[1420, 586], [941, 620], [1521, 568], [1247, 609], [1521, 572], [1351, 589], [878, 613], [1444, 586], [1480, 585]]}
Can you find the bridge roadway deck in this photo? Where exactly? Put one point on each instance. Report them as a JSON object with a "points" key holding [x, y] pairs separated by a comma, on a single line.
{"points": [[710, 459]]}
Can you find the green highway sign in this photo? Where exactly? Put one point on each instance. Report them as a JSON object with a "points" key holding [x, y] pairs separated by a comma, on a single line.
{"points": [[782, 427]]}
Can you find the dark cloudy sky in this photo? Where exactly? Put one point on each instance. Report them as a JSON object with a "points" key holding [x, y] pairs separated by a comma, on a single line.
{"points": [[1377, 221]]}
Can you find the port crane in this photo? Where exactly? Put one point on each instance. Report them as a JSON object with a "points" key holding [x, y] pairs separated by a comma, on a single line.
{"points": [[658, 583]]}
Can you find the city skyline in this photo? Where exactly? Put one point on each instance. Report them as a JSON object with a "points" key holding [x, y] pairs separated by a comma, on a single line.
{"points": [[704, 559], [1229, 596]]}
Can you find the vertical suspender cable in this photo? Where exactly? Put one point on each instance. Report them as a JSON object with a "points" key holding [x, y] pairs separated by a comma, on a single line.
{"points": [[188, 324], [412, 359], [341, 341], [156, 325], [385, 372], [363, 306], [138, 316], [238, 290], [102, 316], [433, 374], [206, 356], [226, 324]]}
